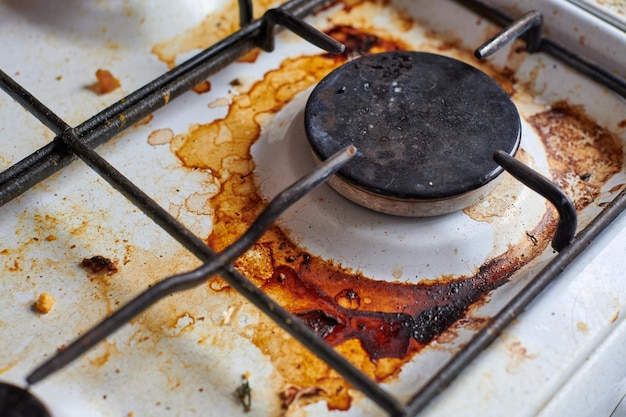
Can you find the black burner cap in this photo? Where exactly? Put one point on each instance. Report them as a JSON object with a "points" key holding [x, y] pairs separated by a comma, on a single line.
{"points": [[426, 125], [18, 402]]}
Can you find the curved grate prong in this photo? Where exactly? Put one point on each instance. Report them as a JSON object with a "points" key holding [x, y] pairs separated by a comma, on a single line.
{"points": [[246, 12], [529, 24], [566, 229], [274, 17]]}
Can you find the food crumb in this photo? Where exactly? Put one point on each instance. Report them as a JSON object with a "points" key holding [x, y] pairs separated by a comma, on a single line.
{"points": [[106, 82], [51, 238], [44, 303], [98, 264]]}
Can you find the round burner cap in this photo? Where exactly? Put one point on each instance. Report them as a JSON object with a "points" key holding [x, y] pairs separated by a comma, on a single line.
{"points": [[426, 126], [18, 402]]}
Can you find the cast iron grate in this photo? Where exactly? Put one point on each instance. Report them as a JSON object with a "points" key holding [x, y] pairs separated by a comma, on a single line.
{"points": [[80, 141]]}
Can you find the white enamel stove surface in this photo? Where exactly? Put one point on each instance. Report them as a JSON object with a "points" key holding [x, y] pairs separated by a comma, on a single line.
{"points": [[564, 356]]}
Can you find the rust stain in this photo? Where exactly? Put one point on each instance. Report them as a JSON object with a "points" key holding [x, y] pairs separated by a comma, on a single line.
{"points": [[100, 360], [110, 349], [160, 137], [16, 266], [7, 367], [144, 121], [583, 155], [517, 355], [212, 29], [219, 102]]}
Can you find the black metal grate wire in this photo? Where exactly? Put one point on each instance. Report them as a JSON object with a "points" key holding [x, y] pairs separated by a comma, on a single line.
{"points": [[80, 141]]}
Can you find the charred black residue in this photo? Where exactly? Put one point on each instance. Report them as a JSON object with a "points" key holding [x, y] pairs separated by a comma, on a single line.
{"points": [[432, 322], [389, 319]]}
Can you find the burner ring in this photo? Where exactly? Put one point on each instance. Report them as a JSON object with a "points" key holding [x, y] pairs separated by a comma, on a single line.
{"points": [[18, 402], [426, 126]]}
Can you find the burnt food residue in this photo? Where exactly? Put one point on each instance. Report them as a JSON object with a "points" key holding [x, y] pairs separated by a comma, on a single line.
{"points": [[572, 139], [99, 264]]}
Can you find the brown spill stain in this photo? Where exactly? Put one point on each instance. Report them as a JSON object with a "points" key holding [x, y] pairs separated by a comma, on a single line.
{"points": [[572, 140], [203, 87], [377, 325], [109, 348], [517, 354], [212, 29], [582, 327], [144, 121], [250, 57], [160, 137]]}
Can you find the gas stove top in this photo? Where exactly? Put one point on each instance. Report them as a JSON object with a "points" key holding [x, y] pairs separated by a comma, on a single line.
{"points": [[403, 307]]}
